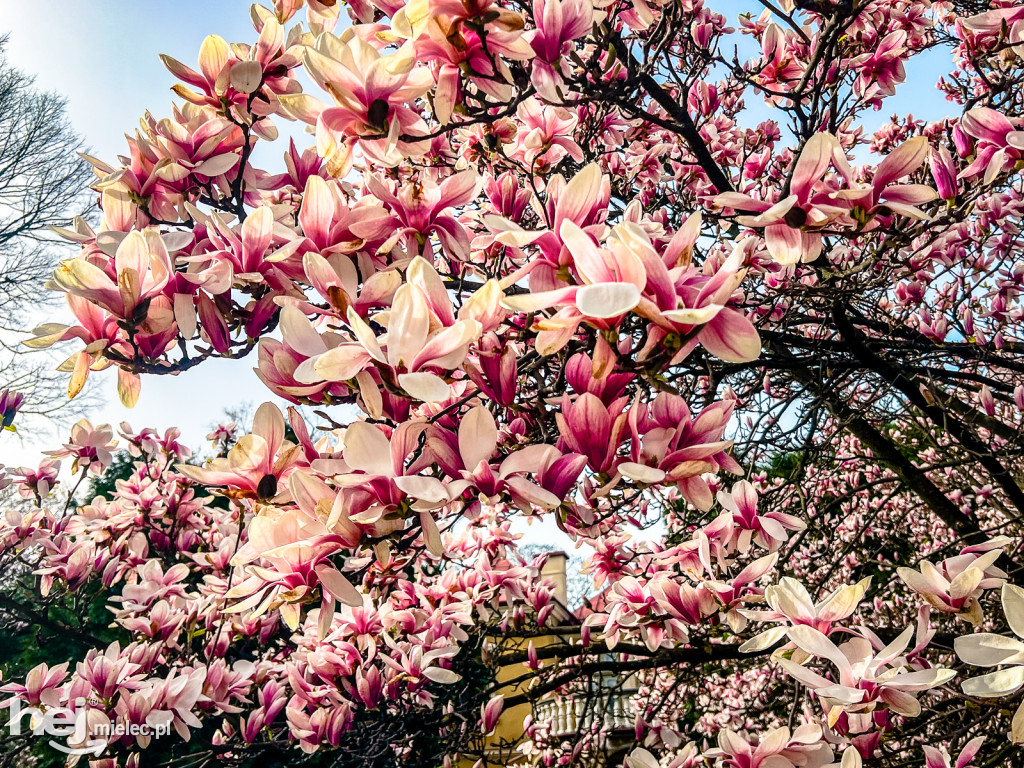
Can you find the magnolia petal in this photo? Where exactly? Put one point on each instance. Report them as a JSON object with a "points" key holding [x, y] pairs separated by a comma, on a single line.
{"points": [[478, 436], [246, 76], [641, 473], [995, 684], [607, 300], [1012, 598], [428, 387], [440, 675], [693, 315], [367, 449], [431, 534], [216, 166], [339, 587], [987, 650], [342, 363], [764, 640], [128, 386], [428, 489]]}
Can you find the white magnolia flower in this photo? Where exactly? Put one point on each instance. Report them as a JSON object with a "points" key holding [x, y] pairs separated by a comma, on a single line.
{"points": [[989, 650]]}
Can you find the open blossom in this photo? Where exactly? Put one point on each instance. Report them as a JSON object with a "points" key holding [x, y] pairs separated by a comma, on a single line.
{"points": [[939, 757], [371, 101], [778, 748], [867, 679], [792, 604], [423, 333], [140, 269], [792, 225], [257, 463], [985, 649], [90, 447], [1000, 143], [992, 23], [769, 531], [881, 70], [42, 686], [955, 585], [559, 23], [37, 482]]}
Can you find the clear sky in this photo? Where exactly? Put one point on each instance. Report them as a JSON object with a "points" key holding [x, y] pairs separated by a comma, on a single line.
{"points": [[102, 55]]}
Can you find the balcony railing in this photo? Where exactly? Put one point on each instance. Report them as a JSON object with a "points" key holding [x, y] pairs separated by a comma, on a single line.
{"points": [[585, 712]]}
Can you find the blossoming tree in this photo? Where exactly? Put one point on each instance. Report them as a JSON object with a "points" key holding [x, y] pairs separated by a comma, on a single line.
{"points": [[617, 266]]}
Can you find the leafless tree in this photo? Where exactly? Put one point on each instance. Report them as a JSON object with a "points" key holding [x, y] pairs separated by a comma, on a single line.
{"points": [[42, 184]]}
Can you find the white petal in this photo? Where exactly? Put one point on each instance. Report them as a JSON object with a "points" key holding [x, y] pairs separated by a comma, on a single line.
{"points": [[641, 473], [995, 684], [367, 449], [603, 300], [427, 387]]}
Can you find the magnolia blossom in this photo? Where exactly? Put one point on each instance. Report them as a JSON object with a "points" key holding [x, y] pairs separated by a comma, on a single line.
{"points": [[792, 604], [985, 649], [957, 583], [779, 748], [938, 757], [90, 448], [867, 679], [257, 463]]}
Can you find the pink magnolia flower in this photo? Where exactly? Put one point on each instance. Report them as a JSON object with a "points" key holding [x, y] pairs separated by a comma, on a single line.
{"points": [[90, 447], [470, 460], [423, 333], [42, 686], [867, 680], [559, 23], [97, 327], [545, 136], [769, 531], [140, 269], [1000, 143], [257, 464], [955, 585], [589, 427], [938, 757], [883, 196], [173, 699], [37, 483], [610, 284], [690, 306], [670, 445], [295, 550], [421, 208], [471, 40], [223, 434], [790, 602], [371, 94], [792, 225], [944, 173], [491, 711], [226, 77], [991, 24], [779, 748], [881, 69]]}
